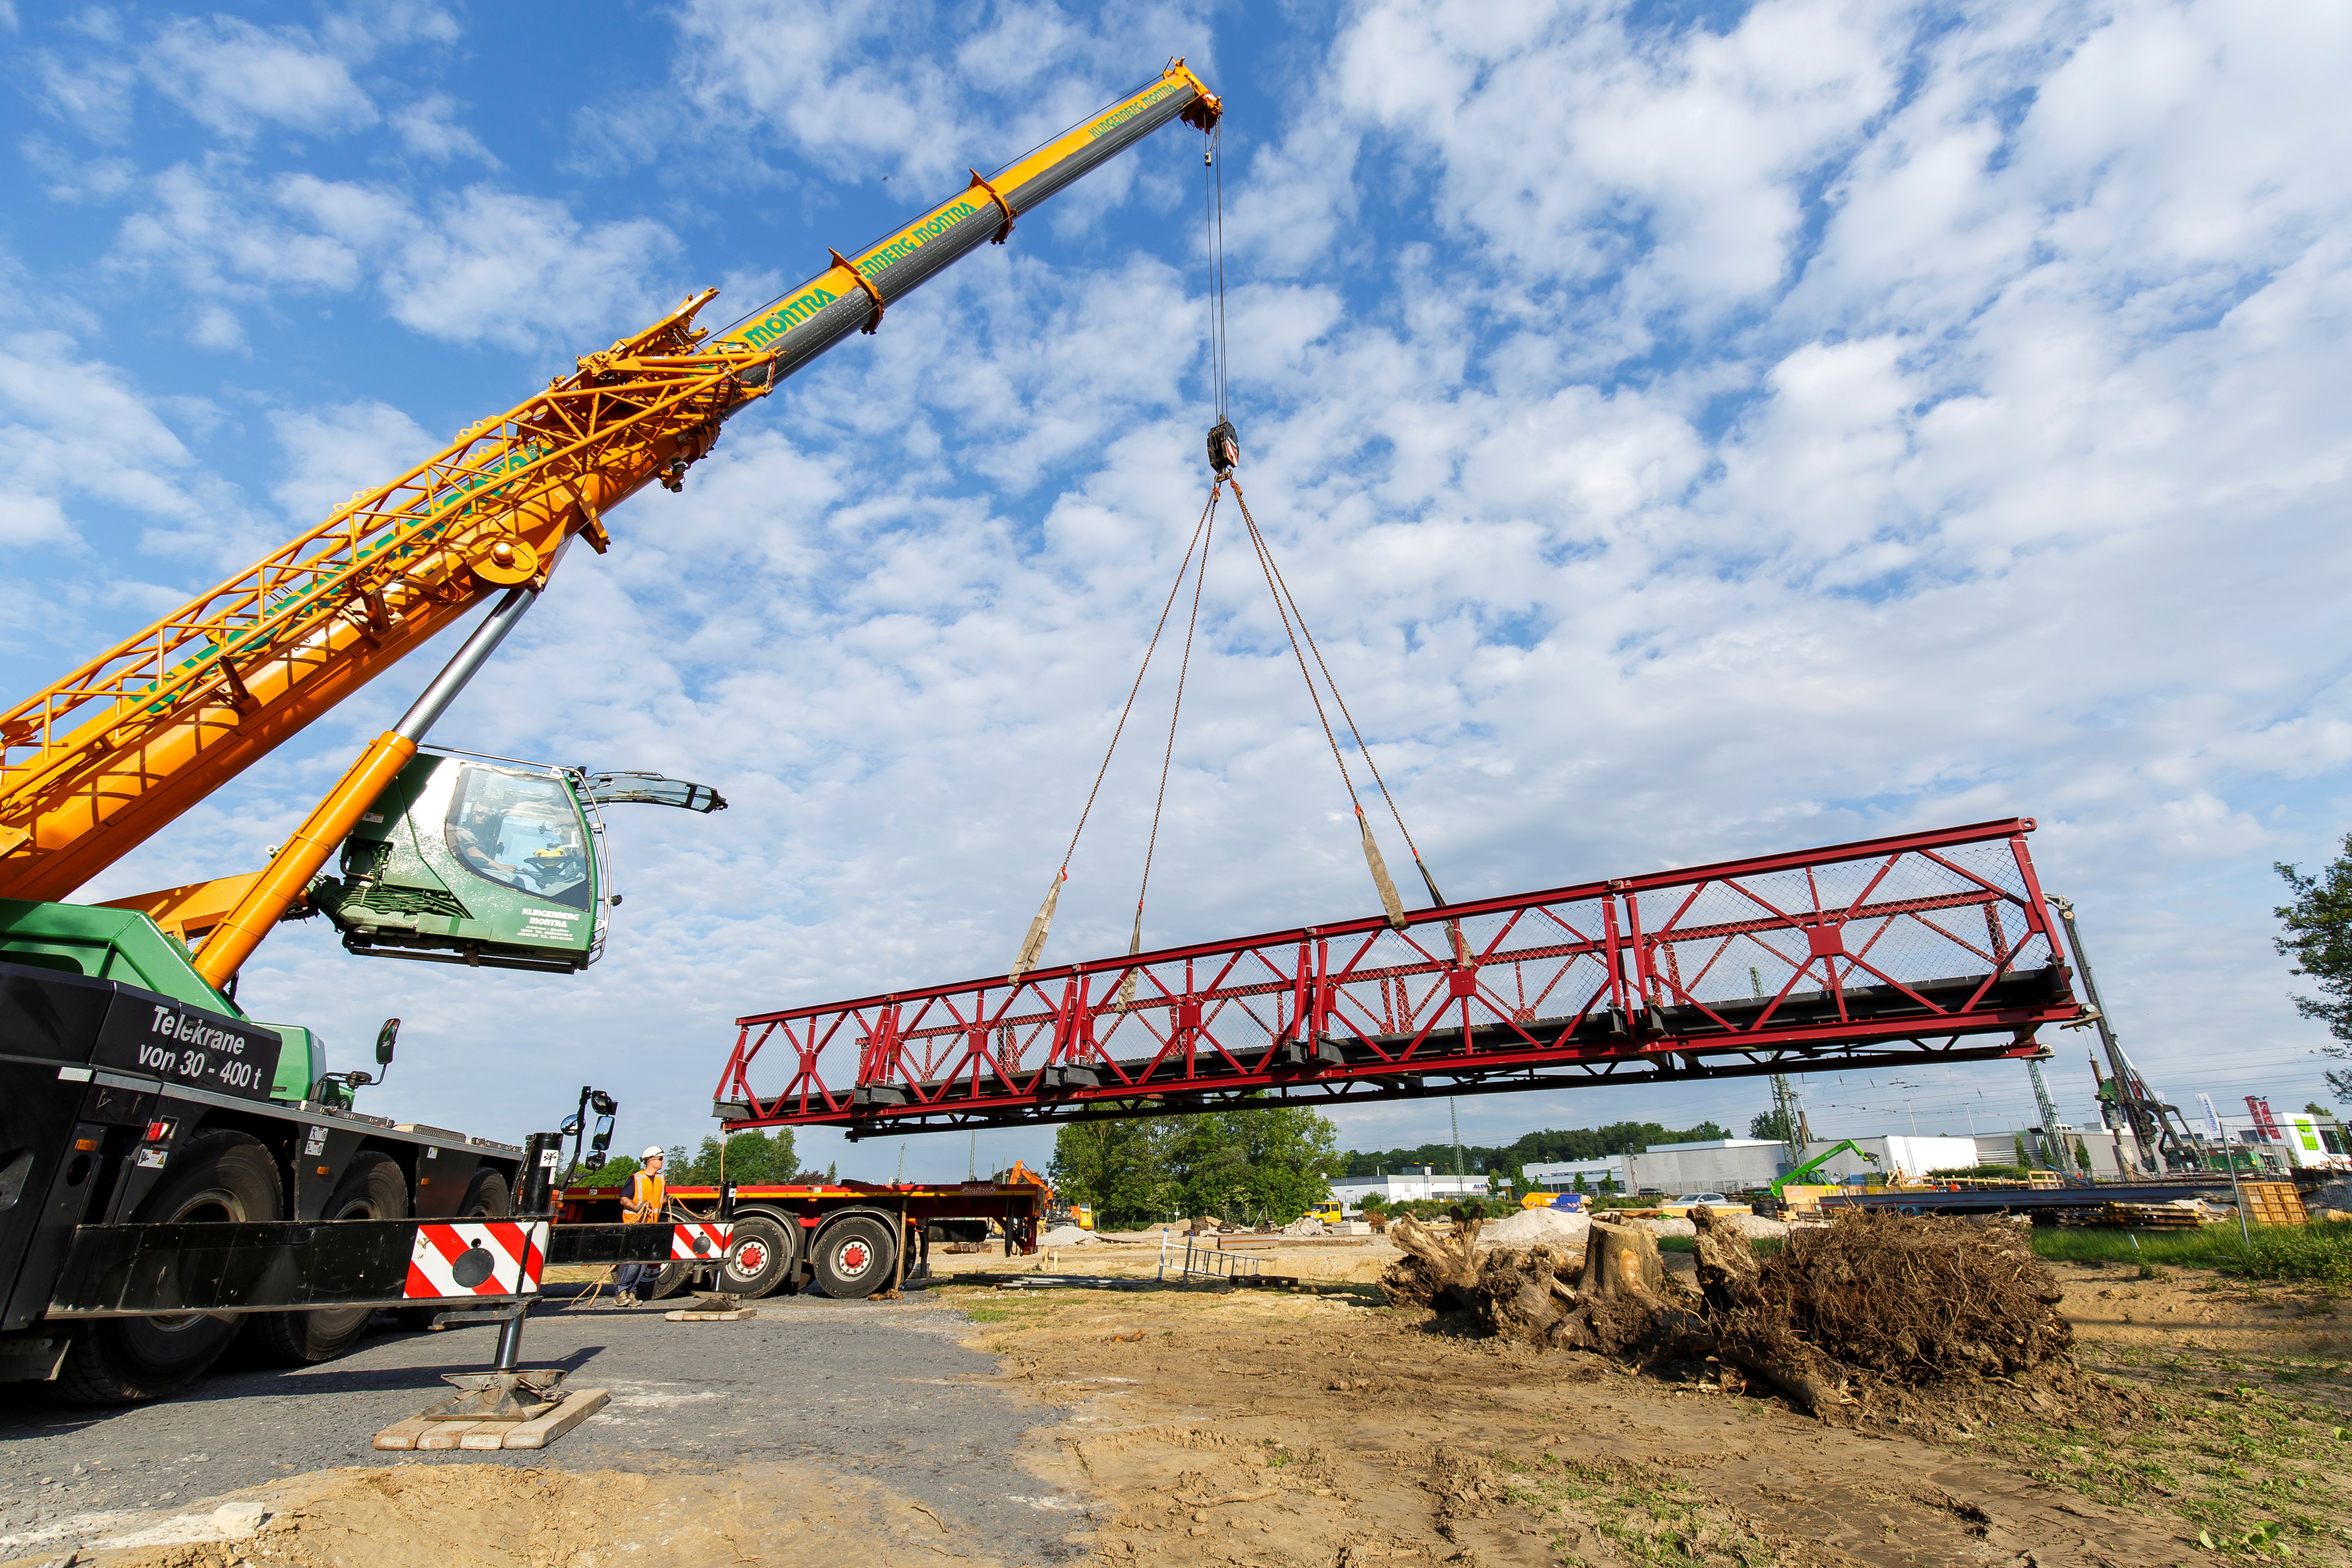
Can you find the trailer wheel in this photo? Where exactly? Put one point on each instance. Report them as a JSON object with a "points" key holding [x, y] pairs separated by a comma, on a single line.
{"points": [[219, 1177], [758, 1259], [852, 1257], [372, 1188]]}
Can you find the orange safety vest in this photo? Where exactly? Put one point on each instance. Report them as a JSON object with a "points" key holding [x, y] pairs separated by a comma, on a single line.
{"points": [[644, 1204]]}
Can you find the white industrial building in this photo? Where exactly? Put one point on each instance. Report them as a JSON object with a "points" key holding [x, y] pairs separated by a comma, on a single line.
{"points": [[1744, 1164], [1407, 1186]]}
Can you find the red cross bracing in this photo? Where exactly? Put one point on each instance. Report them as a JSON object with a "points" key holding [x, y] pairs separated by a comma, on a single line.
{"points": [[1891, 953]]}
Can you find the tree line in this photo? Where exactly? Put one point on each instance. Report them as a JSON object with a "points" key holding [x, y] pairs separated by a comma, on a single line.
{"points": [[752, 1156], [1272, 1163], [1552, 1146]]}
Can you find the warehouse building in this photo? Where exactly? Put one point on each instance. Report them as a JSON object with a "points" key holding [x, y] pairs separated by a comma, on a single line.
{"points": [[1746, 1164], [1407, 1186]]}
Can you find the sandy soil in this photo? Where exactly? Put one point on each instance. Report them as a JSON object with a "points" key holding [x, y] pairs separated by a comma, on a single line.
{"points": [[1273, 1426]]}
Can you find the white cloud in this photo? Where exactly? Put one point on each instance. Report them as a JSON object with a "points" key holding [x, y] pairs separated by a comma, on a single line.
{"points": [[334, 453], [236, 78], [429, 128], [837, 84], [483, 264], [496, 267]]}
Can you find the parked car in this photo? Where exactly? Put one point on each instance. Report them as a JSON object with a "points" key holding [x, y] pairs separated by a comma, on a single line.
{"points": [[1680, 1208]]}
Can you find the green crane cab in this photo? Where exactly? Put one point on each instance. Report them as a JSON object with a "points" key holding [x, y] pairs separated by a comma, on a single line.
{"points": [[488, 862]]}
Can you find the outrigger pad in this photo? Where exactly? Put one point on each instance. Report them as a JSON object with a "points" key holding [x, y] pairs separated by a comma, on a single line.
{"points": [[499, 1395]]}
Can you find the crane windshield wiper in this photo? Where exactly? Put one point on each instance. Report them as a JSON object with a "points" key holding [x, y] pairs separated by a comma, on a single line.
{"points": [[653, 789]]}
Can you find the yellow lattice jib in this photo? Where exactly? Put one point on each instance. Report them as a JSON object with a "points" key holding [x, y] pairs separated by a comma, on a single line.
{"points": [[92, 765]]}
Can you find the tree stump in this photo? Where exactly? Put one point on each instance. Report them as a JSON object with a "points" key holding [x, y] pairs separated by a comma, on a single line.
{"points": [[1436, 1271], [1619, 1303]]}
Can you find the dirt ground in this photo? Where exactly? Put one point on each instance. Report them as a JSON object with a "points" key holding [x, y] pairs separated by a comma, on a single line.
{"points": [[1322, 1427]]}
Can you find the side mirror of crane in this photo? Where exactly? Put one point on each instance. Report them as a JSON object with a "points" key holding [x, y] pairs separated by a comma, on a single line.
{"points": [[386, 1039]]}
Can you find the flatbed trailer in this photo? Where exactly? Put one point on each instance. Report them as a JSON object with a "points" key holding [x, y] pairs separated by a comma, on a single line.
{"points": [[157, 1201], [2043, 1205], [849, 1239]]}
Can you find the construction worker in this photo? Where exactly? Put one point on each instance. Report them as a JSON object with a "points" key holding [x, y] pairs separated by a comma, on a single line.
{"points": [[641, 1205]]}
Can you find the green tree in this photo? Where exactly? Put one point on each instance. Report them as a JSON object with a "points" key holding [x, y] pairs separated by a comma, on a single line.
{"points": [[1114, 1167], [2024, 1159], [1276, 1161], [2319, 939], [2082, 1154], [1579, 1183], [614, 1173], [1373, 1203], [750, 1157], [1776, 1124]]}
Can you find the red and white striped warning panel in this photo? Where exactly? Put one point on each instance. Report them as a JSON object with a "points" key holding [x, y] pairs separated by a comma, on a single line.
{"points": [[479, 1257], [706, 1242]]}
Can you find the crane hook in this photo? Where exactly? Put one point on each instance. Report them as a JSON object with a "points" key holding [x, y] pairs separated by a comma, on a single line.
{"points": [[1225, 448]]}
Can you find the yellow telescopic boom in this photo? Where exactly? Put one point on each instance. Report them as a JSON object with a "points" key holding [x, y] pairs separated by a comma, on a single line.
{"points": [[97, 762]]}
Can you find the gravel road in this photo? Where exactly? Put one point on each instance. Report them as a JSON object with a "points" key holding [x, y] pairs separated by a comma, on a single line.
{"points": [[878, 1391]]}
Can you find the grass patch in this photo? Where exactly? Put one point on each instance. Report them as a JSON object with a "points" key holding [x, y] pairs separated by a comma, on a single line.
{"points": [[978, 1314], [2319, 1253]]}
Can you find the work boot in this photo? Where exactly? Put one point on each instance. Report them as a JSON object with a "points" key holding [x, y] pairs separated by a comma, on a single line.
{"points": [[625, 1300]]}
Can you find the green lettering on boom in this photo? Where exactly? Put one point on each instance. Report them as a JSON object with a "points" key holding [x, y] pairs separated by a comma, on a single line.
{"points": [[1118, 117], [787, 316]]}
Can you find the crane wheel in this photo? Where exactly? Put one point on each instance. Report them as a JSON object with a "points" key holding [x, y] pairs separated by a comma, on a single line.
{"points": [[760, 1259], [854, 1257], [373, 1187], [219, 1177], [487, 1196]]}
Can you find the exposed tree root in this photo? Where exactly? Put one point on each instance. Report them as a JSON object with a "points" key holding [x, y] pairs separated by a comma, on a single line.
{"points": [[1874, 1308]]}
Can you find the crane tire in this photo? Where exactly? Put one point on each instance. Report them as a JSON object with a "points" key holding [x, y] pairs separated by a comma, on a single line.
{"points": [[758, 1258], [852, 1257], [218, 1176], [487, 1196], [373, 1187]]}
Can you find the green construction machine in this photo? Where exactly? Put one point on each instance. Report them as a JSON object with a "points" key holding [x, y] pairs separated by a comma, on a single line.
{"points": [[488, 862], [1844, 1146]]}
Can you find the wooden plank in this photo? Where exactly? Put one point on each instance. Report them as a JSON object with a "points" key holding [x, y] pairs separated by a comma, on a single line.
{"points": [[488, 1434], [444, 1434], [576, 1407], [402, 1436], [687, 1317]]}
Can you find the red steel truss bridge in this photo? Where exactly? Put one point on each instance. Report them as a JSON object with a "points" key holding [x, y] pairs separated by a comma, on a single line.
{"points": [[1893, 952]]}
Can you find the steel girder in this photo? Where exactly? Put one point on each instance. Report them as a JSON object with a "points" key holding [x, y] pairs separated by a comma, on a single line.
{"points": [[1896, 951]]}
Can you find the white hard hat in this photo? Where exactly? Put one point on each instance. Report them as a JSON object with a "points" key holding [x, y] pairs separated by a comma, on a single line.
{"points": [[653, 1152]]}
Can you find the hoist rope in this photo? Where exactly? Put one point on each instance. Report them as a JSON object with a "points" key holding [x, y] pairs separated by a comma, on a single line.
{"points": [[1213, 197], [1032, 943], [1199, 528], [1282, 586], [1168, 756]]}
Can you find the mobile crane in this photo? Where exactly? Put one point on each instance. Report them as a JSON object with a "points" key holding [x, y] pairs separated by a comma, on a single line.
{"points": [[164, 1158]]}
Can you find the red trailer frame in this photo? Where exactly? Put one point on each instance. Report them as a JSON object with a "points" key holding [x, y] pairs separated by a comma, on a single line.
{"points": [[1888, 953], [848, 1236]]}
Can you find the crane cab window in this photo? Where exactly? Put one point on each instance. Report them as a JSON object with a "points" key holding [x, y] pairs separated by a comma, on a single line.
{"points": [[521, 831]]}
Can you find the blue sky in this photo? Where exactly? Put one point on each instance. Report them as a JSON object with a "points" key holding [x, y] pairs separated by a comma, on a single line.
{"points": [[1696, 432]]}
